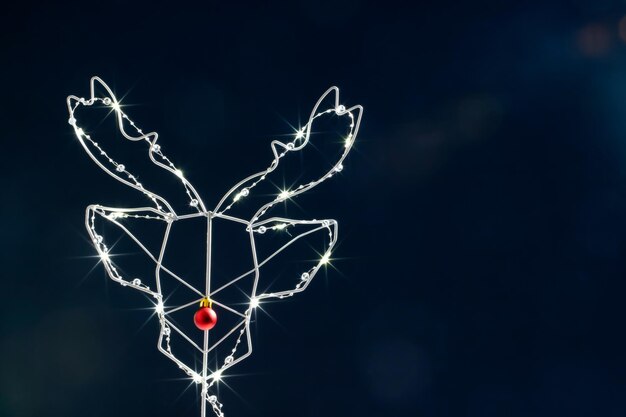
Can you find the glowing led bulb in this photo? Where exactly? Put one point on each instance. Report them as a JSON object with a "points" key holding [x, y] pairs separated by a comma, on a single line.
{"points": [[300, 134], [115, 215], [159, 307], [105, 256], [284, 194], [217, 375], [197, 378], [254, 302], [243, 193], [325, 259]]}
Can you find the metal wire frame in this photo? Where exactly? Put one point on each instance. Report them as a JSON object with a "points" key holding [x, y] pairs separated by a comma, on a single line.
{"points": [[162, 211]]}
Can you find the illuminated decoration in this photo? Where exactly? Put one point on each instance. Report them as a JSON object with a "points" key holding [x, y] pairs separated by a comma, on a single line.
{"points": [[161, 211]]}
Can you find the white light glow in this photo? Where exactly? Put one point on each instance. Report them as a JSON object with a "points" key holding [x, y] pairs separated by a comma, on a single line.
{"points": [[217, 375], [115, 215], [238, 337], [325, 259]]}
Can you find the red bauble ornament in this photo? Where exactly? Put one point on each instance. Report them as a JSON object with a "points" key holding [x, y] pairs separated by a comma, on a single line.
{"points": [[205, 318]]}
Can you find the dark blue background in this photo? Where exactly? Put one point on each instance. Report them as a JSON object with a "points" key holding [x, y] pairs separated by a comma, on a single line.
{"points": [[482, 211]]}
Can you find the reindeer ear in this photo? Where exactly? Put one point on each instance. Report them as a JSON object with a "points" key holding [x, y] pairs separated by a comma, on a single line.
{"points": [[328, 106], [289, 253], [101, 94], [128, 225]]}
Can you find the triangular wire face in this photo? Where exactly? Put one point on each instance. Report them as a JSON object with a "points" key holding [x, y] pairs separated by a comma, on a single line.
{"points": [[185, 254]]}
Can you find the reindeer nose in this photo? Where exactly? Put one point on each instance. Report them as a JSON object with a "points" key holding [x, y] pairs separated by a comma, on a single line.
{"points": [[205, 318]]}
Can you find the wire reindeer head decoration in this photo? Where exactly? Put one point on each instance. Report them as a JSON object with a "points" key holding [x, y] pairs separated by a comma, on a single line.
{"points": [[204, 295]]}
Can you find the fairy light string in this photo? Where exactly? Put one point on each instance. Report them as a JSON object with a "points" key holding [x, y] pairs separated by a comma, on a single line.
{"points": [[160, 210]]}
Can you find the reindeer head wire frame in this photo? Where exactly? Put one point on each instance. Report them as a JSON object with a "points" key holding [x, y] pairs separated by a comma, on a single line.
{"points": [[160, 210]]}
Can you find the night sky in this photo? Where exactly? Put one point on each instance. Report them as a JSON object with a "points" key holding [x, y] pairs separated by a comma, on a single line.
{"points": [[480, 269]]}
